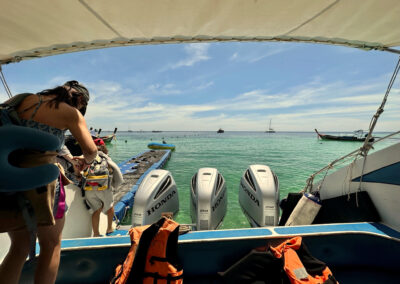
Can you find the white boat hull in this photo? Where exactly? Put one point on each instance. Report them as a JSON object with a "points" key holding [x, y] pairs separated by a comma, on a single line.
{"points": [[381, 180]]}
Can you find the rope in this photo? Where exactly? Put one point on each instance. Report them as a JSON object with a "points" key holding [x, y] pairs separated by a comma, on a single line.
{"points": [[374, 119], [364, 149], [323, 179], [311, 178], [367, 145], [3, 80], [355, 153]]}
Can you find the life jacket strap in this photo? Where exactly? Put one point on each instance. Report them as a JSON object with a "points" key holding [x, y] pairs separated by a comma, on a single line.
{"points": [[91, 177], [157, 276], [156, 258], [117, 276], [30, 220], [90, 187]]}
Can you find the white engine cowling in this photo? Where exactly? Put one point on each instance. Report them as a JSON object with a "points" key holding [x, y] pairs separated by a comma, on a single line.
{"points": [[208, 199], [156, 194], [259, 196]]}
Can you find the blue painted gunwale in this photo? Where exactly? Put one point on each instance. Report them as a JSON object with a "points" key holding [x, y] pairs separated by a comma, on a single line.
{"points": [[127, 200], [385, 175], [375, 229]]}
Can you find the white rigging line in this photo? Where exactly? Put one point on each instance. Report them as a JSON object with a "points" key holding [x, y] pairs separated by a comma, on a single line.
{"points": [[374, 119], [362, 151], [3, 80]]}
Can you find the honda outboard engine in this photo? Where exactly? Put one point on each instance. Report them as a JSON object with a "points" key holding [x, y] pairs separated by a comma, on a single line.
{"points": [[209, 199], [156, 194], [259, 196]]}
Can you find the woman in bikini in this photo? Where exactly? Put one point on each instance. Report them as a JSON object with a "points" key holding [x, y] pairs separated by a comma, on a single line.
{"points": [[53, 111]]}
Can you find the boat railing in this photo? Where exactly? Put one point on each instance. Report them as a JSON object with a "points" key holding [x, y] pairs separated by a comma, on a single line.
{"points": [[364, 149], [355, 155]]}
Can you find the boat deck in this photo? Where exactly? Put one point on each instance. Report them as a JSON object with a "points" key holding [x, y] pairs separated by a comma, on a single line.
{"points": [[346, 248]]}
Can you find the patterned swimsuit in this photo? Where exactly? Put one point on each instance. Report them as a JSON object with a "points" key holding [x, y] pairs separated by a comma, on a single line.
{"points": [[60, 207]]}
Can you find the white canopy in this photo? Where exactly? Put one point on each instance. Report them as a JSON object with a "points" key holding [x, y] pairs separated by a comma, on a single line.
{"points": [[37, 28]]}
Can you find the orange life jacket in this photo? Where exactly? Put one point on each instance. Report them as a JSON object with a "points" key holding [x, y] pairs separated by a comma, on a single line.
{"points": [[293, 266], [147, 260]]}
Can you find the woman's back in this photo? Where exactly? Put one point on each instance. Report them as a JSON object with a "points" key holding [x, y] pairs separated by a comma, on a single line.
{"points": [[43, 112]]}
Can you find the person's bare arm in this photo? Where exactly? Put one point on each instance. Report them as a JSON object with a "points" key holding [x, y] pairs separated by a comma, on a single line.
{"points": [[78, 128]]}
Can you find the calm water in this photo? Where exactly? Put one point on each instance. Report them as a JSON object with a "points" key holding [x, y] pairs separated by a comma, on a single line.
{"points": [[292, 156]]}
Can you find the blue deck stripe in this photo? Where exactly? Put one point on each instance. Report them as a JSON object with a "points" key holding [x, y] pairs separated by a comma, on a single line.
{"points": [[102, 241], [218, 234], [221, 234], [124, 239]]}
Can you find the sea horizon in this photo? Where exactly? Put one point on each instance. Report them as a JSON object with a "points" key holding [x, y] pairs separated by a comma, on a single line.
{"points": [[292, 156]]}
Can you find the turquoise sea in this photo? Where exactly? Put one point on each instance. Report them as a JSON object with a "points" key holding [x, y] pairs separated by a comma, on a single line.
{"points": [[293, 156]]}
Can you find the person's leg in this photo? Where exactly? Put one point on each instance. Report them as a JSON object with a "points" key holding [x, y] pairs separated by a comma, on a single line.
{"points": [[108, 206], [11, 267], [110, 217], [50, 248], [96, 206], [95, 222]]}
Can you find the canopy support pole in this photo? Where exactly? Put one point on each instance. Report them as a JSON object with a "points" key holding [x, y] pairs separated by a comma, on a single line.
{"points": [[3, 80]]}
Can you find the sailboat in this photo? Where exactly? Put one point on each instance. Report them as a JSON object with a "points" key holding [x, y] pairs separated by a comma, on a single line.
{"points": [[270, 129]]}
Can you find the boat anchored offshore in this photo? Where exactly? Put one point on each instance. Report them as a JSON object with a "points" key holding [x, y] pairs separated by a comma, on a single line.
{"points": [[156, 194], [270, 129], [357, 135], [208, 199], [259, 196], [158, 146]]}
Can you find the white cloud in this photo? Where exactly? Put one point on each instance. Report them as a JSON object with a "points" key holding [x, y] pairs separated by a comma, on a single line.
{"points": [[333, 106], [57, 81], [196, 52], [234, 56], [301, 108], [374, 98], [159, 89], [204, 86], [259, 54]]}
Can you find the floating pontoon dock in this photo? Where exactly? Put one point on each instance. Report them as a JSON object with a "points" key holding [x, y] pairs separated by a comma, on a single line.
{"points": [[134, 170]]}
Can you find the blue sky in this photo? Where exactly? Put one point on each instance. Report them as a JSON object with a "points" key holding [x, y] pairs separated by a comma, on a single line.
{"points": [[234, 86]]}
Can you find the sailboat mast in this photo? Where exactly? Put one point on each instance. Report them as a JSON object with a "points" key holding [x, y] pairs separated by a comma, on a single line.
{"points": [[270, 129]]}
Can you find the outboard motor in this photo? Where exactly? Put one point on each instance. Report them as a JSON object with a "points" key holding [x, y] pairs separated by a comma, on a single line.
{"points": [[156, 194], [209, 199], [259, 196]]}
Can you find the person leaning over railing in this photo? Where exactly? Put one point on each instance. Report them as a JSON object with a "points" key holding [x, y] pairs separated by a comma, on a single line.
{"points": [[53, 111]]}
